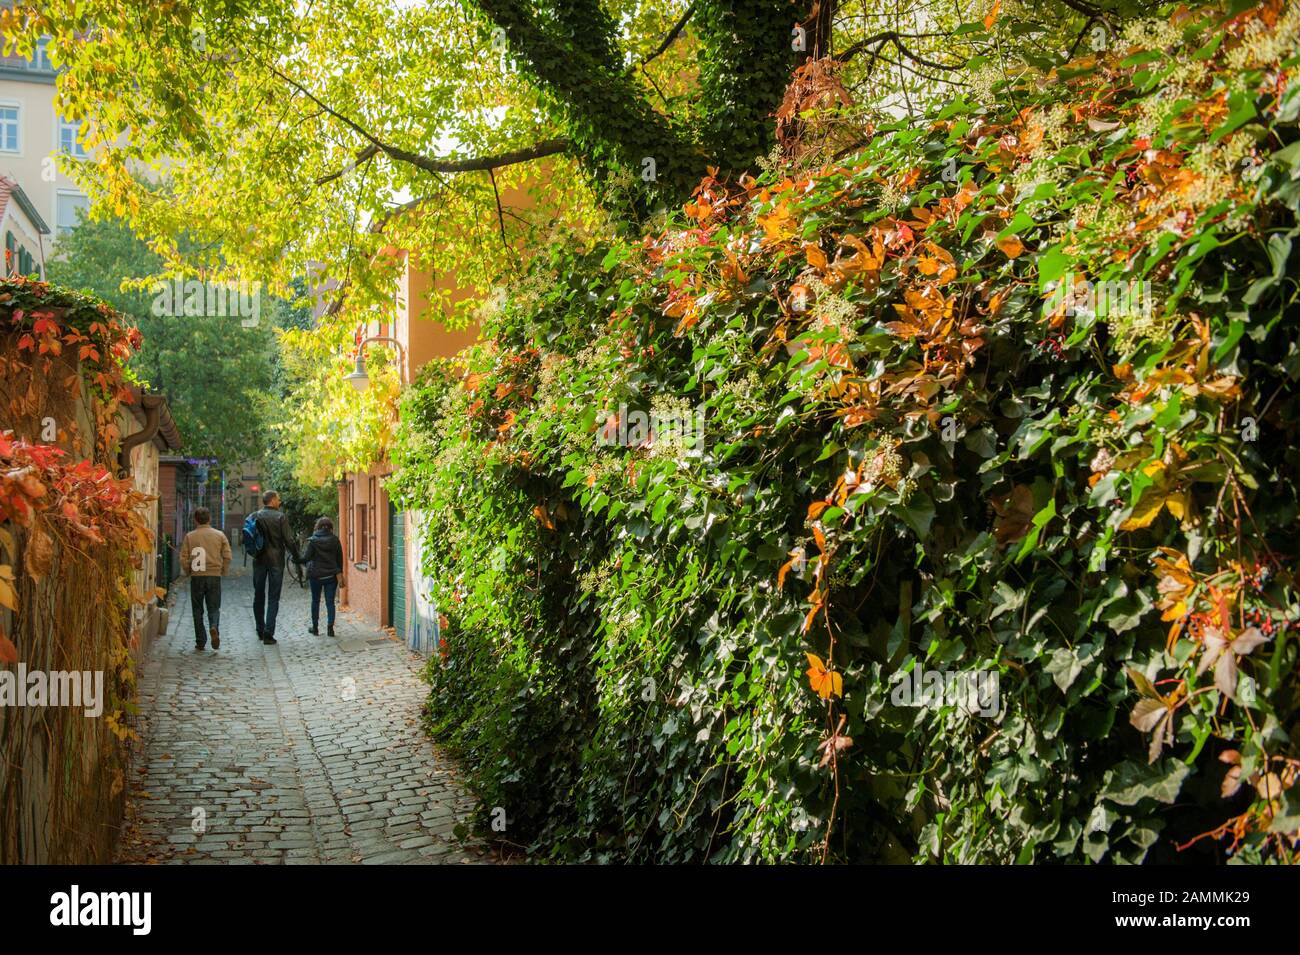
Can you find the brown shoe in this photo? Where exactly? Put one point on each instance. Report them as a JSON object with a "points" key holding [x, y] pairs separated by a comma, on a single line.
{"points": [[216, 639]]}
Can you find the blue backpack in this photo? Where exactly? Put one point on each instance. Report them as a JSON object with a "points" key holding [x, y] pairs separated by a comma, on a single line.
{"points": [[254, 542]]}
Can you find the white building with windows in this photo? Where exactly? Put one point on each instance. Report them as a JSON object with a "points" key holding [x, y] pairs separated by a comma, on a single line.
{"points": [[24, 231], [32, 135]]}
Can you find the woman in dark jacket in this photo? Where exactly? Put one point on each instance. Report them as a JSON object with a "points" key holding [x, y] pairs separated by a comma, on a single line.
{"points": [[324, 559]]}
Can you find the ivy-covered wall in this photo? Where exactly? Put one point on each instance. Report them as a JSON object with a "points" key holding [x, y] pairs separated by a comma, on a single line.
{"points": [[984, 549]]}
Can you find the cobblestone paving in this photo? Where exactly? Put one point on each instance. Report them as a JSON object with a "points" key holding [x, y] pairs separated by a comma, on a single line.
{"points": [[310, 751]]}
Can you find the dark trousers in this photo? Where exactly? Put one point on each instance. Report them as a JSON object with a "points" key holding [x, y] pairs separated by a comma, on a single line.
{"points": [[328, 586], [266, 597], [205, 591]]}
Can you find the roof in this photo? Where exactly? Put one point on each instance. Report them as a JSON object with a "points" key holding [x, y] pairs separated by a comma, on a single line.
{"points": [[9, 189], [168, 436]]}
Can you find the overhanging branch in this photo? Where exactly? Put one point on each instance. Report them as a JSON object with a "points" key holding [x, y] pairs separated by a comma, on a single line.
{"points": [[671, 37], [892, 36], [547, 147]]}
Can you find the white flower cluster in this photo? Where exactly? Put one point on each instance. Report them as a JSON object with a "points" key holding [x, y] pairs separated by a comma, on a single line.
{"points": [[1152, 34], [1263, 44], [833, 311]]}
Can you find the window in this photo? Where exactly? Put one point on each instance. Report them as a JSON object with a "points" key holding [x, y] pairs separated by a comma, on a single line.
{"points": [[9, 129], [70, 138], [346, 514], [371, 509], [41, 56], [361, 534], [69, 203]]}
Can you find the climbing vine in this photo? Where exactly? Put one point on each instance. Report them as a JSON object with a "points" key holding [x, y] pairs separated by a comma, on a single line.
{"points": [[72, 534], [1003, 399]]}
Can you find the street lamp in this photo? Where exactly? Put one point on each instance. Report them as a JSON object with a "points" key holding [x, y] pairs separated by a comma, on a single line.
{"points": [[359, 379]]}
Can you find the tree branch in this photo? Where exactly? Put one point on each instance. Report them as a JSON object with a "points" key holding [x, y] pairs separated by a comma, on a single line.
{"points": [[547, 147], [501, 219], [1084, 7], [379, 222], [363, 156], [672, 36], [1074, 47], [892, 36], [819, 28], [609, 119]]}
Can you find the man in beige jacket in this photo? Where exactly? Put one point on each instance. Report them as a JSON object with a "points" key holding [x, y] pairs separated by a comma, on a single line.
{"points": [[205, 557]]}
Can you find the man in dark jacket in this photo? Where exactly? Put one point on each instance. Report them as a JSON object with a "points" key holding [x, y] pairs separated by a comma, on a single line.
{"points": [[324, 560], [268, 566]]}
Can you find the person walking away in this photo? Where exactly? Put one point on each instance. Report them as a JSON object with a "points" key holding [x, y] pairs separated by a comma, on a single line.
{"points": [[205, 558], [268, 565], [324, 559]]}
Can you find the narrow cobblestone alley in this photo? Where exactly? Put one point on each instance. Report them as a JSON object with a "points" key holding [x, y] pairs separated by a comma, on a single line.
{"points": [[310, 751]]}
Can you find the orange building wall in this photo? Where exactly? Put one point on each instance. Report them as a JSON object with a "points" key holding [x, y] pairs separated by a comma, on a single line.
{"points": [[424, 336], [418, 325], [365, 584]]}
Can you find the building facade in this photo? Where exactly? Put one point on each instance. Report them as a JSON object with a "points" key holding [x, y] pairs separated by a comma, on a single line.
{"points": [[148, 432], [381, 576], [32, 137], [24, 231]]}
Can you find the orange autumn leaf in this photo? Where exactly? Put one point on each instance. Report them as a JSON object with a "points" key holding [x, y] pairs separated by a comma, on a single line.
{"points": [[8, 596], [543, 517], [8, 652], [778, 225], [863, 264], [1011, 246], [824, 682], [938, 262], [992, 16], [816, 257]]}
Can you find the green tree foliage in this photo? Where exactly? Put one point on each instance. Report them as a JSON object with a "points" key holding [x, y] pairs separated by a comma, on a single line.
{"points": [[1008, 392], [212, 368], [307, 140], [295, 133], [305, 496]]}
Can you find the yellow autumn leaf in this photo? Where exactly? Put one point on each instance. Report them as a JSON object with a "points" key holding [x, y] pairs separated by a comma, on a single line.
{"points": [[543, 517], [1175, 612], [1177, 505], [8, 596], [1147, 510]]}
